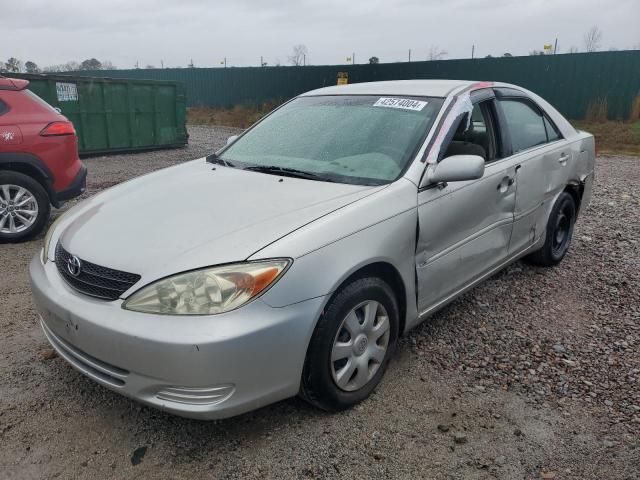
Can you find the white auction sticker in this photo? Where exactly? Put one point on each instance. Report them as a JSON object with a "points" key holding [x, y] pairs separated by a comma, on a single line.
{"points": [[67, 92], [404, 103]]}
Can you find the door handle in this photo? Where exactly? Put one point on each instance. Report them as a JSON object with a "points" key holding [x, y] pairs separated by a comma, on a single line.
{"points": [[504, 185], [563, 158]]}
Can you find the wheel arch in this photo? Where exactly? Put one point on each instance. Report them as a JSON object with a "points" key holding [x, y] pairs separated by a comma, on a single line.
{"points": [[576, 190], [30, 166], [389, 274]]}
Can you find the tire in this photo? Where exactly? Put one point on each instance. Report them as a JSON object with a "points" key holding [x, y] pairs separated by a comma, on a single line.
{"points": [[337, 385], [559, 233], [15, 223]]}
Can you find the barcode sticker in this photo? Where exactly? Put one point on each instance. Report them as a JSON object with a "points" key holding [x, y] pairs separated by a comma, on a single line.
{"points": [[403, 103]]}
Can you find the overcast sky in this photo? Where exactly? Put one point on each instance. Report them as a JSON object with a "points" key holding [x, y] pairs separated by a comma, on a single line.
{"points": [[125, 31]]}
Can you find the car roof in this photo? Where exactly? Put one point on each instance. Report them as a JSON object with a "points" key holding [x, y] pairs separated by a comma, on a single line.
{"points": [[420, 88]]}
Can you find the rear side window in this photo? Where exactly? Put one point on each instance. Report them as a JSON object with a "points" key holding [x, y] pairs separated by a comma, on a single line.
{"points": [[552, 131], [526, 125], [40, 101], [4, 108]]}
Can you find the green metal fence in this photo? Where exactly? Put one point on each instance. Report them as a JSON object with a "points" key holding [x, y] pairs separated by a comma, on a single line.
{"points": [[117, 115], [571, 82]]}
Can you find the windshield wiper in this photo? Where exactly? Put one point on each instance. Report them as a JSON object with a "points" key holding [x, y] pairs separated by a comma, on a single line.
{"points": [[214, 158], [287, 172]]}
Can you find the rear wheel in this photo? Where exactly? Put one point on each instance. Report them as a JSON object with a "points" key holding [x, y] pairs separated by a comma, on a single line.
{"points": [[559, 233], [351, 346], [24, 207]]}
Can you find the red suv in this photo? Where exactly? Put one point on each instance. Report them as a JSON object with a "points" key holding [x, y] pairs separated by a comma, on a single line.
{"points": [[39, 163]]}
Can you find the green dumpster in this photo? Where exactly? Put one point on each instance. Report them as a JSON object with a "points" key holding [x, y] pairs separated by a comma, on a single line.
{"points": [[117, 115]]}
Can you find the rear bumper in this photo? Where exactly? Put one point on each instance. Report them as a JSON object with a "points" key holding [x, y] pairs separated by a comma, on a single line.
{"points": [[203, 367], [75, 189]]}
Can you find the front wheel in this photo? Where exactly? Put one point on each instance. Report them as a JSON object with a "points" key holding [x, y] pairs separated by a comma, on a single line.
{"points": [[24, 207], [351, 346], [559, 233]]}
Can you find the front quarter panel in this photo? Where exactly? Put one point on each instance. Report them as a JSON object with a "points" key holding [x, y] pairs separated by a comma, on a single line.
{"points": [[380, 228]]}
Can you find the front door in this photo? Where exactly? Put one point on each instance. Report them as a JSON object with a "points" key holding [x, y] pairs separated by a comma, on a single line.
{"points": [[465, 227]]}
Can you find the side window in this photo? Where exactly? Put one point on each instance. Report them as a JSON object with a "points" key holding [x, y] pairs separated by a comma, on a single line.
{"points": [[552, 131], [3, 108], [525, 124], [475, 136]]}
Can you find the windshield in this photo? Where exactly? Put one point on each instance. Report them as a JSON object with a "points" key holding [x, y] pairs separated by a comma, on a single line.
{"points": [[365, 140]]}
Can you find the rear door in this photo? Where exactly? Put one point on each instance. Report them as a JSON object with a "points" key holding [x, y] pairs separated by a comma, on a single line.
{"points": [[10, 133], [541, 158]]}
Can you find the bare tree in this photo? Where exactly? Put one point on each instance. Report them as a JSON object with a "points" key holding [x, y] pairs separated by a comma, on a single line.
{"points": [[297, 58], [435, 53], [108, 65], [65, 67], [573, 50], [593, 39]]}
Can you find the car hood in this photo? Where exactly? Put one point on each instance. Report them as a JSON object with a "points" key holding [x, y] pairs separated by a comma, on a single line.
{"points": [[196, 215]]}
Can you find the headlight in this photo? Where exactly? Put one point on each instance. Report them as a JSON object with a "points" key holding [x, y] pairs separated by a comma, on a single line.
{"points": [[208, 291]]}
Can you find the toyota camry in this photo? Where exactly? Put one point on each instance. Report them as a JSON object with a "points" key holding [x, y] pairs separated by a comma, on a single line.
{"points": [[290, 261]]}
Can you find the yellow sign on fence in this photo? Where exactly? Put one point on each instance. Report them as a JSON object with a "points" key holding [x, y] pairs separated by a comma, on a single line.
{"points": [[343, 78]]}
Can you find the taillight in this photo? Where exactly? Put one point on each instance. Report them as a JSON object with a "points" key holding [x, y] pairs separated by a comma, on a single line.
{"points": [[58, 128]]}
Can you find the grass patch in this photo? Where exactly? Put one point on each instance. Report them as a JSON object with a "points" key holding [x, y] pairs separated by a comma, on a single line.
{"points": [[613, 137], [240, 116]]}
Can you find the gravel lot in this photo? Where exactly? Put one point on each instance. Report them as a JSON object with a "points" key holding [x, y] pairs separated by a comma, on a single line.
{"points": [[533, 374]]}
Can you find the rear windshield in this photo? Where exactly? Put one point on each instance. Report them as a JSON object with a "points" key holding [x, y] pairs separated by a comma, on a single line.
{"points": [[40, 101], [359, 139]]}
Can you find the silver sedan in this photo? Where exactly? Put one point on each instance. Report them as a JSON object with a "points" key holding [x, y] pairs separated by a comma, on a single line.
{"points": [[290, 261]]}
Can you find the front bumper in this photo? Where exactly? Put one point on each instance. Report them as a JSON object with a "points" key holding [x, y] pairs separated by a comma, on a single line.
{"points": [[195, 366]]}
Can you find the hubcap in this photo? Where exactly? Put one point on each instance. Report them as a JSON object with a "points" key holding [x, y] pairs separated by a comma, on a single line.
{"points": [[18, 209], [360, 345]]}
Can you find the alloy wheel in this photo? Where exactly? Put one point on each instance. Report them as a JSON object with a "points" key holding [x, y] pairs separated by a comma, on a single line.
{"points": [[18, 209]]}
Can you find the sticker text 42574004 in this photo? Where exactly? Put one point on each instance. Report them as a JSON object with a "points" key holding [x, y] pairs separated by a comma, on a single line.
{"points": [[403, 103]]}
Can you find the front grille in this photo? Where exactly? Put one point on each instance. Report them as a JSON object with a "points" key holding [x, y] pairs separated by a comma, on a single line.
{"points": [[94, 280]]}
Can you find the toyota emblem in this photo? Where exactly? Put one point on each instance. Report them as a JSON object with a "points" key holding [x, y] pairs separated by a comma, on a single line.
{"points": [[74, 266]]}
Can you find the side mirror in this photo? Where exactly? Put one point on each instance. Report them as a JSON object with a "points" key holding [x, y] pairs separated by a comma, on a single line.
{"points": [[232, 139], [456, 168]]}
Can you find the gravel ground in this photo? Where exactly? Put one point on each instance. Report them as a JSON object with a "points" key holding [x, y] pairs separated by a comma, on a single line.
{"points": [[533, 374]]}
